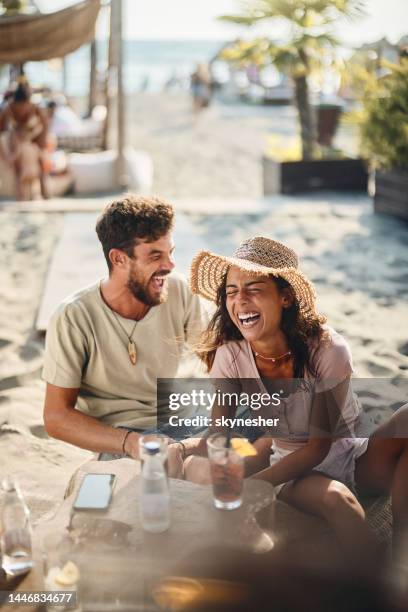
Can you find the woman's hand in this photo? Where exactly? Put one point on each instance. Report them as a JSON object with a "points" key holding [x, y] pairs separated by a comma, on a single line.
{"points": [[197, 469], [260, 461], [175, 461], [296, 464]]}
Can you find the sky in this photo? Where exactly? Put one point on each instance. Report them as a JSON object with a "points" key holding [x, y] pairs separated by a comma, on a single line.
{"points": [[196, 19]]}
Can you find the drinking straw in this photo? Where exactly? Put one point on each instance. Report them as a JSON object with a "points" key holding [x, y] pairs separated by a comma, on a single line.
{"points": [[229, 432]]}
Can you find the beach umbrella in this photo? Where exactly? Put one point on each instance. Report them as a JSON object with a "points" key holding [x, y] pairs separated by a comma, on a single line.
{"points": [[44, 36]]}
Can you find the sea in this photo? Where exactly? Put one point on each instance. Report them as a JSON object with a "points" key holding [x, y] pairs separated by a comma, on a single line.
{"points": [[148, 65]]}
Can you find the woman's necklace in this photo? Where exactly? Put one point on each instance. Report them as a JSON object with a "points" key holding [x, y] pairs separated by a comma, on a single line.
{"points": [[131, 345], [273, 359]]}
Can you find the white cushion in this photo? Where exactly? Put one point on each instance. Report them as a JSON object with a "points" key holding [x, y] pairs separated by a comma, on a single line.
{"points": [[96, 172]]}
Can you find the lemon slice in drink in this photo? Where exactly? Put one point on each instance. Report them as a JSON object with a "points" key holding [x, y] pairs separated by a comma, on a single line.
{"points": [[69, 574], [243, 447]]}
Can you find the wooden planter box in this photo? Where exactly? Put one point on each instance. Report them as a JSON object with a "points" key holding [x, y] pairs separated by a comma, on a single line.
{"points": [[298, 176], [391, 193]]}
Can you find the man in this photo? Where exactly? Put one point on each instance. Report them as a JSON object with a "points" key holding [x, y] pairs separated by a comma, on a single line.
{"points": [[107, 345]]}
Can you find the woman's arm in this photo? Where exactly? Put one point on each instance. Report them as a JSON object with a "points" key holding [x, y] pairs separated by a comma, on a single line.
{"points": [[193, 446], [296, 464], [303, 460], [41, 139], [260, 461], [198, 445], [224, 386]]}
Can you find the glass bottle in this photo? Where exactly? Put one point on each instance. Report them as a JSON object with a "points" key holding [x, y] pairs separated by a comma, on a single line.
{"points": [[15, 531], [154, 492]]}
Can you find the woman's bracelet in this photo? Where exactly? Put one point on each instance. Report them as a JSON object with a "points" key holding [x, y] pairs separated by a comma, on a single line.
{"points": [[125, 437], [183, 450]]}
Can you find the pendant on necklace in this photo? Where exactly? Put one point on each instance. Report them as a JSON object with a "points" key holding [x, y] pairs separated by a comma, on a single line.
{"points": [[132, 352]]}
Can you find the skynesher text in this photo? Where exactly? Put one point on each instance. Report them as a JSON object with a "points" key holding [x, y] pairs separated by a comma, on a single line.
{"points": [[204, 421]]}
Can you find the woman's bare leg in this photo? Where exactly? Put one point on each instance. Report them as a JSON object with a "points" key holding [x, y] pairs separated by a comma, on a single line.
{"points": [[14, 160], [383, 469], [20, 192], [334, 502], [43, 185]]}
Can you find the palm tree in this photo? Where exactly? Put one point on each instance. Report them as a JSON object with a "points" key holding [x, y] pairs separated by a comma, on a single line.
{"points": [[10, 8], [308, 43]]}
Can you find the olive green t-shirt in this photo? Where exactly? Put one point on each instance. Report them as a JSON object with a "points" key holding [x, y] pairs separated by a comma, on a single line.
{"points": [[87, 348]]}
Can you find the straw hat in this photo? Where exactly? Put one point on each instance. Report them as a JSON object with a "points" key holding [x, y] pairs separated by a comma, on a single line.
{"points": [[257, 255]]}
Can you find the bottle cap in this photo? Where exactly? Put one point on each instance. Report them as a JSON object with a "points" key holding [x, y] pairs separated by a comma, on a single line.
{"points": [[152, 447]]}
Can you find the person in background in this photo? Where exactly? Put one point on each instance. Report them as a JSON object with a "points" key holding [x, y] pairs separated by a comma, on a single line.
{"points": [[7, 97], [26, 125], [200, 88]]}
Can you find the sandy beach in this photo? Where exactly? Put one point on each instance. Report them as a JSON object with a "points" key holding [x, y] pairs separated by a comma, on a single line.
{"points": [[358, 262]]}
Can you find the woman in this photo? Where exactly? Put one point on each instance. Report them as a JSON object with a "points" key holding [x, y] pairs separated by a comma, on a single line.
{"points": [[266, 327], [27, 139]]}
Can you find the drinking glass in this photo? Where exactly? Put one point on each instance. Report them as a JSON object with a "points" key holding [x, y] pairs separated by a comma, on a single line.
{"points": [[227, 472]]}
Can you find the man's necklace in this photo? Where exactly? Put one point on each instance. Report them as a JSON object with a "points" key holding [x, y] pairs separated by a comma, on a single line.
{"points": [[131, 345], [273, 359]]}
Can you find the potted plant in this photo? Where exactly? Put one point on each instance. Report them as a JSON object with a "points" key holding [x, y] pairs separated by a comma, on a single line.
{"points": [[307, 47], [13, 7], [284, 171], [384, 132]]}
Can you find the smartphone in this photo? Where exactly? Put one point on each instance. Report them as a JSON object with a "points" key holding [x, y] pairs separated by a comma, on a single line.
{"points": [[95, 492]]}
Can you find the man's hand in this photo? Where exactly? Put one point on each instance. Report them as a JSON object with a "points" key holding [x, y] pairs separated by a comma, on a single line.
{"points": [[132, 445], [175, 462]]}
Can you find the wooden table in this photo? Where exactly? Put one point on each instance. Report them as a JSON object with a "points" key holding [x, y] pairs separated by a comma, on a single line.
{"points": [[117, 558]]}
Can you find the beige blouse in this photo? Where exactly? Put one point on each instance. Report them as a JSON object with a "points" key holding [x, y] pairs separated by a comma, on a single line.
{"points": [[332, 367]]}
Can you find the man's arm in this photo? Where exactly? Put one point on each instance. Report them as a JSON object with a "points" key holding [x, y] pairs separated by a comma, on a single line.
{"points": [[63, 421]]}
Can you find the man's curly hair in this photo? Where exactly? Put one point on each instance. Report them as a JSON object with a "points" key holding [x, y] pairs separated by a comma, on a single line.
{"points": [[133, 218]]}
